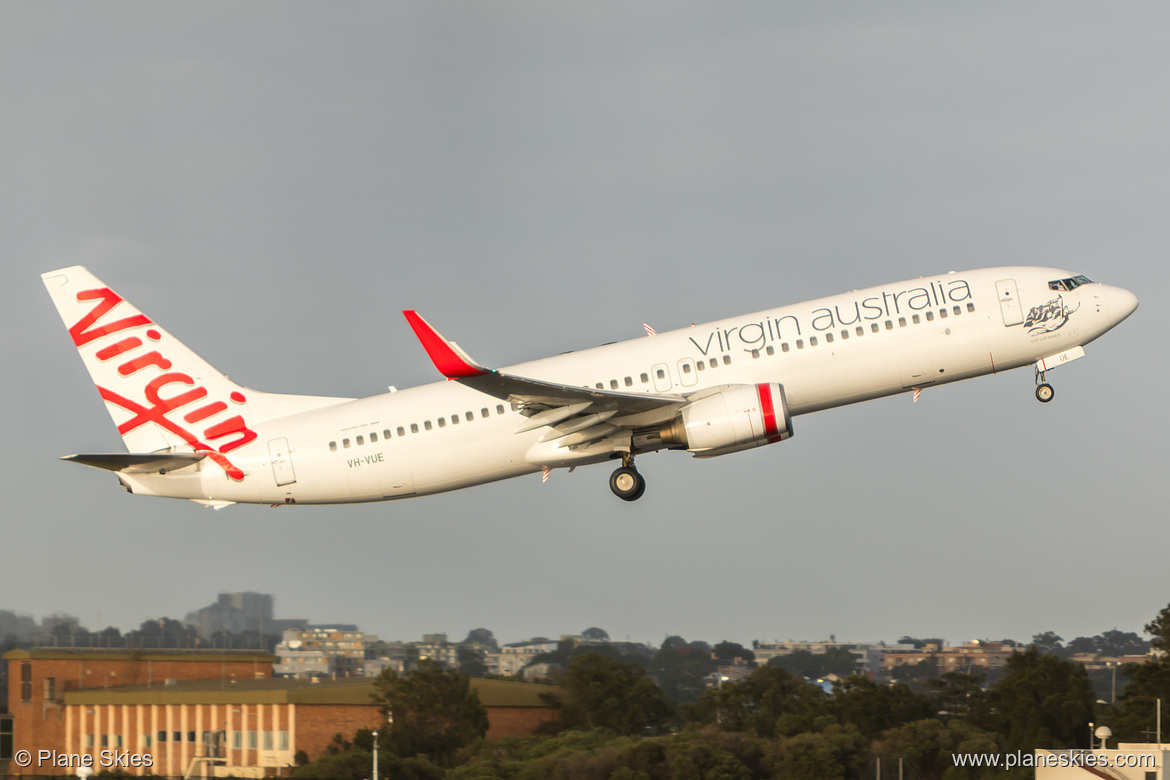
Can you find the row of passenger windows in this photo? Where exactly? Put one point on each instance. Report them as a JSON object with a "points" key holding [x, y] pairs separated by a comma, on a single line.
{"points": [[874, 327], [703, 363], [427, 425], [660, 373]]}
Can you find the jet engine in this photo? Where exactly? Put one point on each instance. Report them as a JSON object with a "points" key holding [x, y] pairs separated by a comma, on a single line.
{"points": [[730, 418]]}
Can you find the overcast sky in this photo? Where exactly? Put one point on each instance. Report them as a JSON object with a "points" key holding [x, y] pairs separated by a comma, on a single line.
{"points": [[275, 182]]}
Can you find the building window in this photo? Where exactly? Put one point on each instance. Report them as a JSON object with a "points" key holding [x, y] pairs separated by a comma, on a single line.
{"points": [[177, 736], [268, 740], [282, 740], [237, 739], [251, 740], [50, 689], [26, 682], [162, 737], [6, 738], [89, 740], [148, 739]]}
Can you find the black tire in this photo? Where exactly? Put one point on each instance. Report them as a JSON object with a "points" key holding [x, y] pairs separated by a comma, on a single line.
{"points": [[1044, 393], [627, 484]]}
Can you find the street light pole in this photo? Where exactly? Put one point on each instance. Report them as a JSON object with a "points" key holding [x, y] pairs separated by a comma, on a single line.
{"points": [[375, 777]]}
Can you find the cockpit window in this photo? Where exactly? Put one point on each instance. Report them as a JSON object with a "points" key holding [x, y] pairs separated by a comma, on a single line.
{"points": [[1064, 285]]}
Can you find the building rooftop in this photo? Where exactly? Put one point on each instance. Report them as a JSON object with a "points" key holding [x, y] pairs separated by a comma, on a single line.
{"points": [[136, 654]]}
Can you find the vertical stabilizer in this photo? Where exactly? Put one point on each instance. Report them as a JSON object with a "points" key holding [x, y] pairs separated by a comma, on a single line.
{"points": [[160, 394]]}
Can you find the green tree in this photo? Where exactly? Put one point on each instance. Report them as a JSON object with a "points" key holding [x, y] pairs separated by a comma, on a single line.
{"points": [[433, 712], [727, 651], [1136, 716], [680, 667], [1042, 702], [1159, 629], [769, 702], [835, 753], [1049, 642], [928, 748], [603, 692], [873, 708]]}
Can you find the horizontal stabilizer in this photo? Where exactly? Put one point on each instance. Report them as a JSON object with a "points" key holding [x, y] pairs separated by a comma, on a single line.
{"points": [[146, 463]]}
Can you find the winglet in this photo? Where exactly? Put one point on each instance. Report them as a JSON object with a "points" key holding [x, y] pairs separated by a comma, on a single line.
{"points": [[451, 361]]}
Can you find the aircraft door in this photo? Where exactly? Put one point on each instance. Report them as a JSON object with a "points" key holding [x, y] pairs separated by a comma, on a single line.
{"points": [[1009, 302], [395, 478], [282, 467], [661, 373], [686, 372]]}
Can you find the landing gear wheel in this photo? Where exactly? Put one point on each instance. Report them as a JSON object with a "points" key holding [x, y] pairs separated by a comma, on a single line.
{"points": [[627, 484], [1044, 393]]}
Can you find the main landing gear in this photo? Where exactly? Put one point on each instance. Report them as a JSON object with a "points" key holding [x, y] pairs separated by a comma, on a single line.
{"points": [[1044, 391], [626, 483]]}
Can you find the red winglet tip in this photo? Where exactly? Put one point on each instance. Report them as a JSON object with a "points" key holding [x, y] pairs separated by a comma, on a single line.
{"points": [[446, 359]]}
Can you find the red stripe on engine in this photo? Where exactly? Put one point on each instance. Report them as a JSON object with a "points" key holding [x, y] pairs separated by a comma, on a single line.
{"points": [[769, 411]]}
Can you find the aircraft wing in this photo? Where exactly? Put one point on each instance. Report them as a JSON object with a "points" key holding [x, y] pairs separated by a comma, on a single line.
{"points": [[547, 403]]}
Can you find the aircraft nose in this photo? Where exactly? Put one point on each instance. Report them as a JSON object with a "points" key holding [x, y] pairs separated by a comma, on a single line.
{"points": [[1122, 303]]}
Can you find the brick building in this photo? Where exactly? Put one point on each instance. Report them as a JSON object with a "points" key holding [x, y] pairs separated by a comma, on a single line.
{"points": [[246, 726], [41, 678]]}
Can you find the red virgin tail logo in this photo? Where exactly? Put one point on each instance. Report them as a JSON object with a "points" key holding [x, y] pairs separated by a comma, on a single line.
{"points": [[171, 400]]}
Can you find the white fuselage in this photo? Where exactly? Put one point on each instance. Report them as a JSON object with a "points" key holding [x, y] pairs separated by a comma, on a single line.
{"points": [[826, 353]]}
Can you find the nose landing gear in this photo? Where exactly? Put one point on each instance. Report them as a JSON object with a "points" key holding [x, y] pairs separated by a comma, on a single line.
{"points": [[1044, 391], [626, 483]]}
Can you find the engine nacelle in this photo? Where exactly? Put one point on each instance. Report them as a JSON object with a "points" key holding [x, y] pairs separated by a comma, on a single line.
{"points": [[731, 418]]}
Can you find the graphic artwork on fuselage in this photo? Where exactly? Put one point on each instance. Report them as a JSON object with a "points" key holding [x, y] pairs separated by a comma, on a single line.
{"points": [[1049, 317]]}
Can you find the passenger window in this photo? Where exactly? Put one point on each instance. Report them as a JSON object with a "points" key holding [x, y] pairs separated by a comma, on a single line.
{"points": [[860, 331], [360, 441], [686, 368], [727, 360], [958, 311], [442, 422], [812, 341], [874, 327], [916, 319], [499, 408], [469, 416], [784, 347], [484, 413], [970, 307], [901, 322], [600, 385], [613, 384], [800, 343], [515, 406], [345, 443], [714, 363], [755, 353], [414, 427], [930, 316], [333, 446], [401, 431], [844, 334], [454, 419], [386, 434], [645, 378], [942, 313], [660, 374], [427, 425], [701, 366], [770, 351], [373, 437], [829, 338], [889, 325], [630, 381]]}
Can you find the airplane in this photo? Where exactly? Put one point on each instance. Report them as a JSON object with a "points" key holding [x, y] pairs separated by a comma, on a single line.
{"points": [[712, 389]]}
